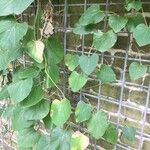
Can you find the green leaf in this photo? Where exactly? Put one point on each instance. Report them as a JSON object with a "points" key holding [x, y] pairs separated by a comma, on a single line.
{"points": [[71, 61], [48, 122], [29, 36], [83, 111], [18, 120], [8, 7], [28, 137], [92, 15], [38, 111], [106, 74], [129, 133], [53, 73], [88, 63], [133, 21], [35, 96], [11, 32], [4, 93], [137, 70], [18, 91], [24, 73], [117, 22], [104, 41], [77, 81], [142, 35], [25, 148], [45, 143], [6, 56], [35, 50], [59, 140], [98, 124], [79, 141], [54, 51], [60, 111], [133, 4], [111, 134], [83, 30]]}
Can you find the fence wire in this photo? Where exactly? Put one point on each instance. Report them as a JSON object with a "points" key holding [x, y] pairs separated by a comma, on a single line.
{"points": [[119, 98]]}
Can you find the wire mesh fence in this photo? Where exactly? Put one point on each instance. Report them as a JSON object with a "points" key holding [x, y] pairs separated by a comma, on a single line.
{"points": [[126, 102]]}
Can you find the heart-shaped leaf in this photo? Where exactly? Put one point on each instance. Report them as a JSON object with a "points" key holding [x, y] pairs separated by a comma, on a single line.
{"points": [[106, 74], [18, 91], [7, 56], [92, 15], [54, 51], [83, 111], [98, 124], [137, 70], [104, 41], [59, 140], [142, 35], [83, 30], [88, 63], [8, 7], [129, 133], [71, 61], [38, 111], [117, 22], [28, 137], [35, 49], [11, 32], [133, 21], [79, 141], [77, 81], [53, 73], [133, 4], [34, 97], [60, 111], [24, 73], [18, 120], [111, 134]]}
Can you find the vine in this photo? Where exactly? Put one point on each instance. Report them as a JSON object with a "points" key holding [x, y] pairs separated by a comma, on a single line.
{"points": [[41, 120]]}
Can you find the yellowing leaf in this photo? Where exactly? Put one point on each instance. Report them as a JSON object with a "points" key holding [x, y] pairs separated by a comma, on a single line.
{"points": [[79, 141], [35, 49]]}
